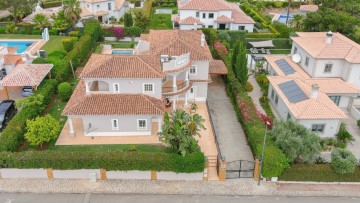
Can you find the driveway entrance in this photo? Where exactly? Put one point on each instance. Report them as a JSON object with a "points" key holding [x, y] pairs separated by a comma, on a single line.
{"points": [[231, 137]]}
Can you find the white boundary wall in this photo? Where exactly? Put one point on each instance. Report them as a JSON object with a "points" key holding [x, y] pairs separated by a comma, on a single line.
{"points": [[145, 175], [23, 173], [179, 176], [75, 174]]}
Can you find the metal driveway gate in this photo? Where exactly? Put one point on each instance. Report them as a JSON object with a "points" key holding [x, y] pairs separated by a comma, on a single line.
{"points": [[240, 169]]}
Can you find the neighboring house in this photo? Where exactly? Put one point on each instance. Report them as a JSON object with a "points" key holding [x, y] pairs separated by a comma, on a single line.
{"points": [[321, 85], [103, 10], [217, 14], [127, 95], [304, 9], [9, 59], [46, 12]]}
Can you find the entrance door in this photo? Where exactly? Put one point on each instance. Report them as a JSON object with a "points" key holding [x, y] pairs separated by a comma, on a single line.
{"points": [[100, 19], [192, 93], [222, 26]]}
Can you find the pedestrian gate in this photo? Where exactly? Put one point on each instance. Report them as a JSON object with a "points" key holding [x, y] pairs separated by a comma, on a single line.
{"points": [[240, 169]]}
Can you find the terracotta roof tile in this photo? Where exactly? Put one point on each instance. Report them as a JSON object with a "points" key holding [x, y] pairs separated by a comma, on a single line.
{"points": [[190, 21], [26, 75], [311, 8], [112, 104], [224, 19], [217, 67], [340, 47], [175, 17], [204, 5], [239, 16], [117, 66], [321, 108], [11, 59]]}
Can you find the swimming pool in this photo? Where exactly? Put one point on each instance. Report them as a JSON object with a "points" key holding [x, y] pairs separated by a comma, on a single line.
{"points": [[123, 52], [22, 45], [282, 18]]}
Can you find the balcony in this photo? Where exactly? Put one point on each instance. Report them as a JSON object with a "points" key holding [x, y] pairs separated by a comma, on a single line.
{"points": [[181, 87]]}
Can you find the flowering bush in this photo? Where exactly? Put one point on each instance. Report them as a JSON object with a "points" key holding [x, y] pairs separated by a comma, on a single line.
{"points": [[220, 48], [265, 119], [118, 32]]}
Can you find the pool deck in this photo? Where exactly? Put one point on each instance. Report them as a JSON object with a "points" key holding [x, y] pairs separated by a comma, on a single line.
{"points": [[32, 49]]}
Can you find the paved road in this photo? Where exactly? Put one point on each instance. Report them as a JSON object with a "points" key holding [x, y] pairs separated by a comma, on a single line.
{"points": [[101, 198], [231, 136]]}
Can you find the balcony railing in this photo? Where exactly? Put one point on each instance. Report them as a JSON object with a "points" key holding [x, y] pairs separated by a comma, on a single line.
{"points": [[181, 85]]}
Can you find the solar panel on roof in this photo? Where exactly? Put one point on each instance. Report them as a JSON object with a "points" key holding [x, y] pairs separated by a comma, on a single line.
{"points": [[292, 91], [285, 66]]}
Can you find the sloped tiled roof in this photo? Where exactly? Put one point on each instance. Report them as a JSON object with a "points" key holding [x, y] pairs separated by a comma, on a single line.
{"points": [[217, 67], [239, 16], [204, 5], [11, 59], [224, 19], [112, 104], [190, 21], [310, 7], [340, 47], [26, 75], [176, 43], [321, 108], [121, 66]]}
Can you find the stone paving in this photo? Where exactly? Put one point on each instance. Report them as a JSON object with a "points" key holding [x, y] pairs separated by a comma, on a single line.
{"points": [[256, 93], [351, 125], [230, 188]]}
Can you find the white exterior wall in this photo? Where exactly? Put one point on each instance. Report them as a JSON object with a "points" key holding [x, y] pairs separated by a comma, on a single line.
{"points": [[75, 174], [189, 27], [201, 91], [127, 125], [303, 54], [281, 108], [179, 176], [331, 126], [248, 27], [202, 70], [138, 175], [338, 68], [354, 74], [22, 173], [103, 6]]}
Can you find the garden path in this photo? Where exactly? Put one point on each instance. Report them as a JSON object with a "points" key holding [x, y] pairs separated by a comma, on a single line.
{"points": [[256, 93], [354, 130], [231, 137]]}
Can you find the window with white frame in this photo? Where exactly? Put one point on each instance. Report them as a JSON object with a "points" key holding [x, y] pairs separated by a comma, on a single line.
{"points": [[295, 50], [98, 6], [335, 99], [141, 124], [197, 14], [210, 26], [328, 68], [272, 94], [116, 88], [211, 15], [241, 27], [204, 15], [276, 99], [307, 61], [288, 116], [319, 128], [109, 6], [193, 70], [148, 88], [115, 124]]}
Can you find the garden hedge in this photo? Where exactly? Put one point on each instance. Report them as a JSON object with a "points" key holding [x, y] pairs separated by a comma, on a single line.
{"points": [[118, 160], [51, 4], [275, 161]]}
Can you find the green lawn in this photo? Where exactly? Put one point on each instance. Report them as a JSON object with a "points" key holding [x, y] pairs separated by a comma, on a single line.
{"points": [[18, 36], [123, 45], [111, 148], [55, 43], [161, 22], [317, 173]]}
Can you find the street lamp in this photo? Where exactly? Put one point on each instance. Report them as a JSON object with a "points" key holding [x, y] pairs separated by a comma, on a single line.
{"points": [[261, 159]]}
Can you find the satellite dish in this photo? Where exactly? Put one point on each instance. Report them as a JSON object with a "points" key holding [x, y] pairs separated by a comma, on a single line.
{"points": [[296, 58]]}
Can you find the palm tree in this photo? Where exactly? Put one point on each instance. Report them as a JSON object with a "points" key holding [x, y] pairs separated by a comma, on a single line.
{"points": [[40, 21], [296, 22], [72, 10]]}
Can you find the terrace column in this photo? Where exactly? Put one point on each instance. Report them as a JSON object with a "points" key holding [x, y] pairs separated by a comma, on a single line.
{"points": [[159, 124], [72, 134], [187, 76], [174, 103], [174, 84], [186, 99], [87, 87]]}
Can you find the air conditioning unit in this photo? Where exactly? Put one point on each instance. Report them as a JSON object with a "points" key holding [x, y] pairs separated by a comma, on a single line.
{"points": [[42, 53], [164, 58], [92, 177]]}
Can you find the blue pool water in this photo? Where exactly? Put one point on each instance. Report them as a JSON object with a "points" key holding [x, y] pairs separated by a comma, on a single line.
{"points": [[282, 18], [122, 52], [22, 45]]}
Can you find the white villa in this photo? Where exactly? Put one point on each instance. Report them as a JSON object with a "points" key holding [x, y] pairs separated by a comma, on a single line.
{"points": [[318, 85], [103, 10], [217, 14], [127, 95]]}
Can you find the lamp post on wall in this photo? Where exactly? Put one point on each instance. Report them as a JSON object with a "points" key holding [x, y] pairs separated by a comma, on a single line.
{"points": [[262, 153]]}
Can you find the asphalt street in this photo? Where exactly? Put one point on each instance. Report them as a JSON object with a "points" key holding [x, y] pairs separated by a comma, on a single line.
{"points": [[101, 198]]}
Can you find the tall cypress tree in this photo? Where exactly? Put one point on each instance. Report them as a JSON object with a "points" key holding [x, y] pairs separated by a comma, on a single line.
{"points": [[234, 55], [128, 20], [243, 72]]}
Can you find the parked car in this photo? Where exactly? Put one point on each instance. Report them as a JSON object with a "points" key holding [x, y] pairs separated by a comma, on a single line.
{"points": [[27, 91], [7, 112]]}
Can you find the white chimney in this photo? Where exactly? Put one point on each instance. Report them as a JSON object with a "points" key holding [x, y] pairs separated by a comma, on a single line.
{"points": [[328, 37], [24, 57], [314, 91], [2, 61], [202, 41]]}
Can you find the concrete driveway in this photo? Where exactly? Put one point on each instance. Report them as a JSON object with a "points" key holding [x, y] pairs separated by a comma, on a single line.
{"points": [[231, 137], [351, 125]]}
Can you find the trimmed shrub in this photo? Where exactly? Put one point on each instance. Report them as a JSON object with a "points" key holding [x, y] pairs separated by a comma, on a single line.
{"points": [[2, 30], [52, 4], [74, 34], [65, 91], [53, 32], [39, 60], [249, 87], [343, 161], [27, 28], [131, 160], [68, 44], [344, 135], [36, 32]]}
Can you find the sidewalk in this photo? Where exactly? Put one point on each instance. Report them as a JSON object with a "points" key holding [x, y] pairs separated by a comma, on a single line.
{"points": [[229, 187]]}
